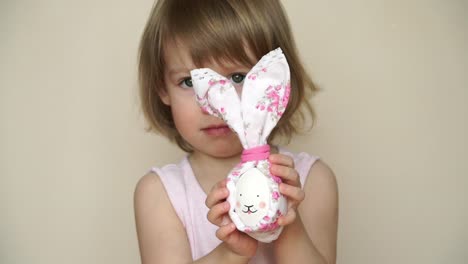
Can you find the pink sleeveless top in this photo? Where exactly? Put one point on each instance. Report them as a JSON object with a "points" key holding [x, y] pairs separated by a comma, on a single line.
{"points": [[188, 199]]}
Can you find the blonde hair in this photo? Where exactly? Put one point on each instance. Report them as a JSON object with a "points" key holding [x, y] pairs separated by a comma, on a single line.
{"points": [[219, 30]]}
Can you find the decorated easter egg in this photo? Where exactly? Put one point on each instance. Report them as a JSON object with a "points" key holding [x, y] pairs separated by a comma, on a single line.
{"points": [[252, 197]]}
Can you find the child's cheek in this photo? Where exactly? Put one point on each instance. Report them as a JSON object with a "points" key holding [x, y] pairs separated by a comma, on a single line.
{"points": [[262, 205]]}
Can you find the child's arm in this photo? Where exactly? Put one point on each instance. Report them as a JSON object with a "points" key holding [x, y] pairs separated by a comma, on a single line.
{"points": [[161, 235], [310, 233]]}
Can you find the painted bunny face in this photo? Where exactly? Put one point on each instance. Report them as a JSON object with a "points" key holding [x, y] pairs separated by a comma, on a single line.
{"points": [[253, 197]]}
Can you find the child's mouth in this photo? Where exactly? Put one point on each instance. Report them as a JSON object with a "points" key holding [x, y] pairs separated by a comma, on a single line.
{"points": [[217, 130]]}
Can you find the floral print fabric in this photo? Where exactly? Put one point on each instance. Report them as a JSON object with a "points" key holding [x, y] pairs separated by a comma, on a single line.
{"points": [[252, 116]]}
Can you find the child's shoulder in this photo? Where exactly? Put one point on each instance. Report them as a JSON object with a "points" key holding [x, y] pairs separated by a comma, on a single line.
{"points": [[154, 180], [318, 172], [303, 162], [314, 172], [322, 174], [176, 167], [160, 187], [148, 184], [321, 188], [149, 187], [297, 155], [170, 172], [167, 183]]}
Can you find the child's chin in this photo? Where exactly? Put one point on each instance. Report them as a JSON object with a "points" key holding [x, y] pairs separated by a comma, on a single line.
{"points": [[227, 149]]}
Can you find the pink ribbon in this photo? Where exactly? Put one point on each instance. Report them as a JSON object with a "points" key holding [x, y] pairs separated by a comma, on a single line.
{"points": [[256, 153]]}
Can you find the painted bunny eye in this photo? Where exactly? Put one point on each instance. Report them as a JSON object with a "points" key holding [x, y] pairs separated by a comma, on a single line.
{"points": [[258, 195]]}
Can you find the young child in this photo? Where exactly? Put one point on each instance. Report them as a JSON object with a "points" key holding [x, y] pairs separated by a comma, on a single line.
{"points": [[181, 209]]}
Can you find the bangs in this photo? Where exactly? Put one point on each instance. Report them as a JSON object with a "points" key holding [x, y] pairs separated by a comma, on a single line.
{"points": [[216, 31]]}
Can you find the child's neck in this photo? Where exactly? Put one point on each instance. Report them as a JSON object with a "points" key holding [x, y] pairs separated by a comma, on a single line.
{"points": [[209, 170]]}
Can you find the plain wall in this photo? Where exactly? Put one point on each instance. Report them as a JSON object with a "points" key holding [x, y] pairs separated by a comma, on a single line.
{"points": [[392, 123]]}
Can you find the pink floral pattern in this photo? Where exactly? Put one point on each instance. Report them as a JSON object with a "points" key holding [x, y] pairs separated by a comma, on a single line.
{"points": [[272, 103], [222, 113], [276, 195], [235, 173], [269, 226], [252, 116], [276, 179]]}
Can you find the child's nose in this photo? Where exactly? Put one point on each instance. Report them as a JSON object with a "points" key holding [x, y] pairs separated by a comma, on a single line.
{"points": [[239, 89]]}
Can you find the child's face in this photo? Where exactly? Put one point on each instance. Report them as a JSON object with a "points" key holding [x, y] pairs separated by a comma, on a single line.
{"points": [[206, 133]]}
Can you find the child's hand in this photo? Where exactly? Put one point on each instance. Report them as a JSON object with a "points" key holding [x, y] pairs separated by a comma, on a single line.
{"points": [[238, 242], [283, 167]]}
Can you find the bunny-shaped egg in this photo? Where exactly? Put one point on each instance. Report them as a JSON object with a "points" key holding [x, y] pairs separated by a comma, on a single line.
{"points": [[256, 203]]}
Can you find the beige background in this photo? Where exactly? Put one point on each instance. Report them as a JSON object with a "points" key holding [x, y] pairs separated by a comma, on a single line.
{"points": [[392, 124]]}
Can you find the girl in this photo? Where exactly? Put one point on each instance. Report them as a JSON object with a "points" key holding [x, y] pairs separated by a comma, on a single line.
{"points": [[180, 209]]}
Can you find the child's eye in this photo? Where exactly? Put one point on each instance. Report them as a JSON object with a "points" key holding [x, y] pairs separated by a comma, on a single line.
{"points": [[186, 83], [238, 78]]}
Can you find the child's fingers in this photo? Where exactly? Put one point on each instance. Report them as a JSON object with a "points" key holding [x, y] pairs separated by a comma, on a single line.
{"points": [[224, 231], [288, 218], [281, 159], [294, 193], [217, 213], [216, 195], [219, 184], [287, 174]]}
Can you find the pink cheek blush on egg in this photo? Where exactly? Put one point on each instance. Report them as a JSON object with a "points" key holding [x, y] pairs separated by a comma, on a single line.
{"points": [[262, 205]]}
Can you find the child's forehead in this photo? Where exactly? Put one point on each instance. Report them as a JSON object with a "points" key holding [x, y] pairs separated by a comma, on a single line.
{"points": [[179, 54]]}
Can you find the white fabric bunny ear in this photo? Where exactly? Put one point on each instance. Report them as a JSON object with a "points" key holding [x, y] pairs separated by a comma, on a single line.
{"points": [[254, 195], [265, 95]]}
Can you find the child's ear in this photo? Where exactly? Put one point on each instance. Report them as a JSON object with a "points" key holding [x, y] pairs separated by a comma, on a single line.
{"points": [[164, 97]]}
